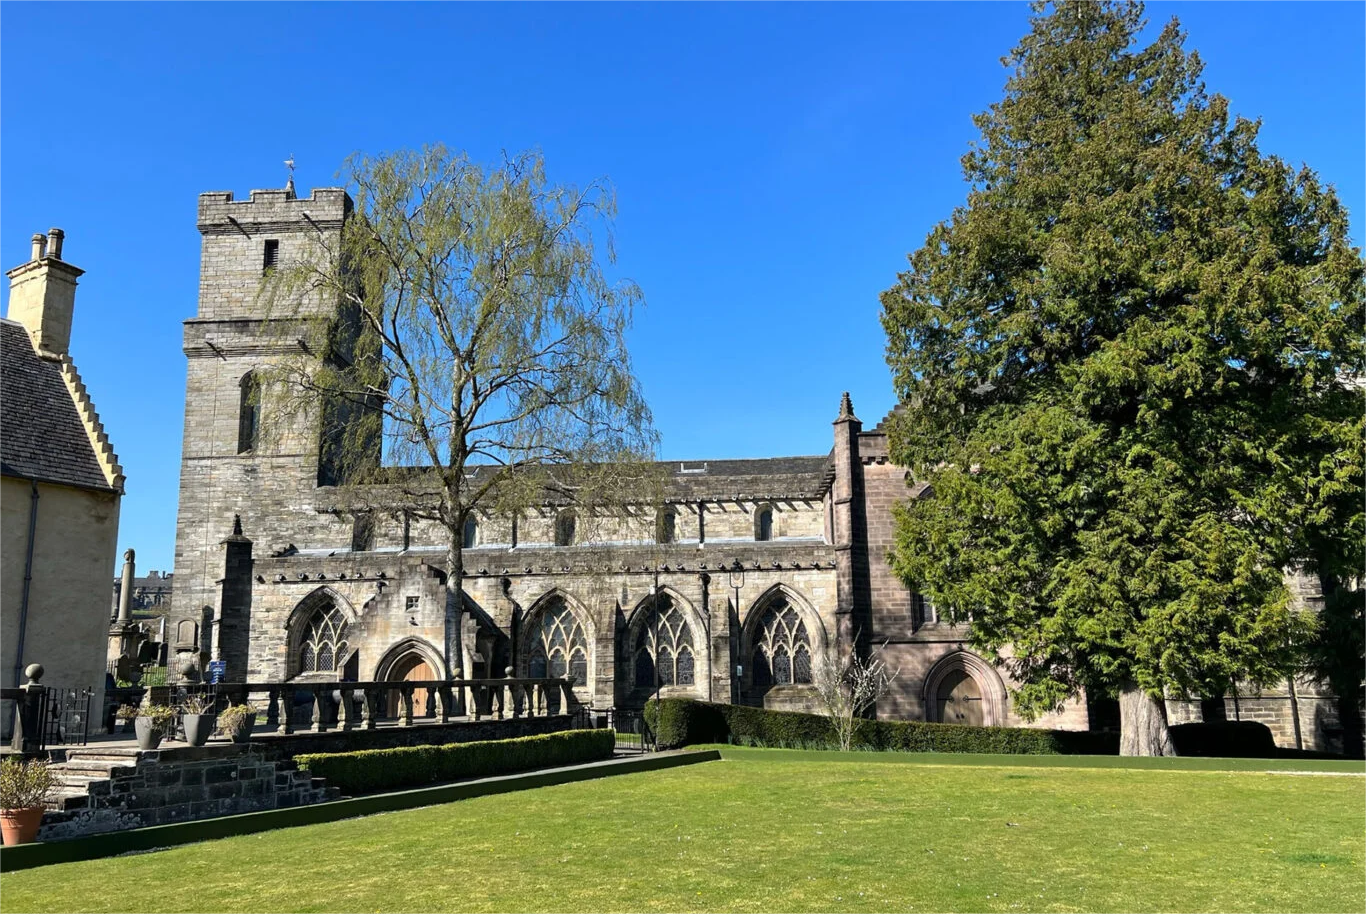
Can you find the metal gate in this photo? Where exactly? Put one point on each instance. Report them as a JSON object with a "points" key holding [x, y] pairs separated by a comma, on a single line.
{"points": [[66, 717]]}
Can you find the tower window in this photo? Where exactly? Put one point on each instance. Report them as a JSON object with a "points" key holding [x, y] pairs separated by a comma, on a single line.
{"points": [[249, 413], [272, 256], [470, 538]]}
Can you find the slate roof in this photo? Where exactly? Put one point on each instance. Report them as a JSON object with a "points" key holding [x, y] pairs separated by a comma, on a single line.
{"points": [[41, 433]]}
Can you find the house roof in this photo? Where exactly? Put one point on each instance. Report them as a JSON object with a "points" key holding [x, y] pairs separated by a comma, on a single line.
{"points": [[42, 435]]}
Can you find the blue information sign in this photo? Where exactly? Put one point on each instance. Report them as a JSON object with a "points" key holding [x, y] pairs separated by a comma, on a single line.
{"points": [[217, 670]]}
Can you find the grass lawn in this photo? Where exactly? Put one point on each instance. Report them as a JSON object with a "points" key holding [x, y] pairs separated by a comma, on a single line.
{"points": [[770, 830]]}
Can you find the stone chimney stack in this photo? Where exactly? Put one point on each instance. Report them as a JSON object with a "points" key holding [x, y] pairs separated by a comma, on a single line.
{"points": [[43, 294]]}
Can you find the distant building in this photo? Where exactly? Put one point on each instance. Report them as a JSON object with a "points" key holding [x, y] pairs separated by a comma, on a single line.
{"points": [[60, 486], [151, 595]]}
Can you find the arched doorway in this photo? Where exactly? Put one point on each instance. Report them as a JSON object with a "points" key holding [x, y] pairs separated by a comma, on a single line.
{"points": [[959, 700], [962, 688], [413, 668]]}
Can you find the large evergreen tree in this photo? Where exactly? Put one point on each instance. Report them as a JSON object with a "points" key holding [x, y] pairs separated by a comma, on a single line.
{"points": [[1125, 369]]}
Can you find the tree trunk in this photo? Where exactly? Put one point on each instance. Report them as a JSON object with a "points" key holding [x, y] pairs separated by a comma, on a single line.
{"points": [[1142, 723], [454, 648]]}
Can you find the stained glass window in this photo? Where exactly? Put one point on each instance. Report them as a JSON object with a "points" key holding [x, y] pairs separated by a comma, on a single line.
{"points": [[664, 634], [782, 648], [558, 646], [324, 640]]}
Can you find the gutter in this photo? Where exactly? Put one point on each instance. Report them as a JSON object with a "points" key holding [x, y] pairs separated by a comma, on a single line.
{"points": [[28, 580]]}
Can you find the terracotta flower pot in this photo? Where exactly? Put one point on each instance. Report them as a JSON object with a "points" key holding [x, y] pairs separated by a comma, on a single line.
{"points": [[20, 826]]}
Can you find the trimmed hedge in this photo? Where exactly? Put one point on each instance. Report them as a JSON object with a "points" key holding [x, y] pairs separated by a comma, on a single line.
{"points": [[682, 722], [1224, 739], [369, 770]]}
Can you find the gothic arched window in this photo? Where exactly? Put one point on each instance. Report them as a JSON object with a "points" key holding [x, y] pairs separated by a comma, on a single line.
{"points": [[782, 647], [323, 641], [249, 412], [470, 536], [665, 640], [558, 646]]}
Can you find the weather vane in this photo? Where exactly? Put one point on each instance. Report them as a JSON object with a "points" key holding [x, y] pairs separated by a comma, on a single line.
{"points": [[289, 163]]}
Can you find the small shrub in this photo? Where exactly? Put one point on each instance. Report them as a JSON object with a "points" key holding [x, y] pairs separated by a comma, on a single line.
{"points": [[369, 770], [234, 717], [195, 704], [126, 712], [163, 716], [681, 722], [24, 783]]}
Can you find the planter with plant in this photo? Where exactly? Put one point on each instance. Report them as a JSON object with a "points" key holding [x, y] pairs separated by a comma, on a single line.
{"points": [[236, 721], [198, 719], [127, 714], [24, 785], [152, 724]]}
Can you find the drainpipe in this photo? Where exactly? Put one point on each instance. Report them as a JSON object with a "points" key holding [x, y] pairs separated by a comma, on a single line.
{"points": [[28, 580]]}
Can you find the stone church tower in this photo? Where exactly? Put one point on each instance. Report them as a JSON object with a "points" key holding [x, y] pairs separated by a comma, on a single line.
{"points": [[229, 468]]}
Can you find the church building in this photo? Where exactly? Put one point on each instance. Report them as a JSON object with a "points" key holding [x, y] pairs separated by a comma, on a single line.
{"points": [[756, 572]]}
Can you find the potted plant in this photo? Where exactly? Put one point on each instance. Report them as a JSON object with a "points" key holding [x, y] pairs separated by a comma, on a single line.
{"points": [[24, 785], [197, 717], [127, 714], [236, 721], [151, 725]]}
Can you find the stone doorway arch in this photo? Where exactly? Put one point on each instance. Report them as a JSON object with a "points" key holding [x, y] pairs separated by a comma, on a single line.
{"points": [[411, 660], [962, 688]]}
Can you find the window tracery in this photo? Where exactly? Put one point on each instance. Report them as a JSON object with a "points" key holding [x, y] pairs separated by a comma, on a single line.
{"points": [[558, 646], [323, 644], [782, 648], [665, 640]]}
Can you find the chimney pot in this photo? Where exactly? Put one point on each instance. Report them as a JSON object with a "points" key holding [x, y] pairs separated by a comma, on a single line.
{"points": [[39, 246], [54, 242]]}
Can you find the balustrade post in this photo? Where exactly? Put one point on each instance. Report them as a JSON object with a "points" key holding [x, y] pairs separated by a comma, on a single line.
{"points": [[367, 711], [405, 698], [567, 696], [283, 698], [476, 706], [28, 713], [319, 722], [345, 714], [445, 702]]}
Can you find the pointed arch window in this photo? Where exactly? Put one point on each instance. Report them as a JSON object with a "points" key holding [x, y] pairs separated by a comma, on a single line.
{"points": [[248, 412], [782, 648], [665, 640], [470, 535], [558, 646], [763, 524], [323, 640]]}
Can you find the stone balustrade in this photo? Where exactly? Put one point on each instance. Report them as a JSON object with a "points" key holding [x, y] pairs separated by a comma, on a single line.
{"points": [[363, 705]]}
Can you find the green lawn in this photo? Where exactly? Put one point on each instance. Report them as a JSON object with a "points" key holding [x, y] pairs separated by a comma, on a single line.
{"points": [[769, 830]]}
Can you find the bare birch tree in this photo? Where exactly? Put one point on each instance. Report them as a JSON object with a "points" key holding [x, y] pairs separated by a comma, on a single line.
{"points": [[849, 688], [476, 359]]}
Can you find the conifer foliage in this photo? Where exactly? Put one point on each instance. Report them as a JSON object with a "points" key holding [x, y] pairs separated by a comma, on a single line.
{"points": [[1127, 366]]}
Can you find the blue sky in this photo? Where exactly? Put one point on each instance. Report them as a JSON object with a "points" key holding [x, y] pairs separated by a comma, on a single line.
{"points": [[774, 164]]}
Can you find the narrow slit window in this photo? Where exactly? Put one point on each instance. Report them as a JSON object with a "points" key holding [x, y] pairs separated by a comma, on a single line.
{"points": [[272, 256], [249, 413]]}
